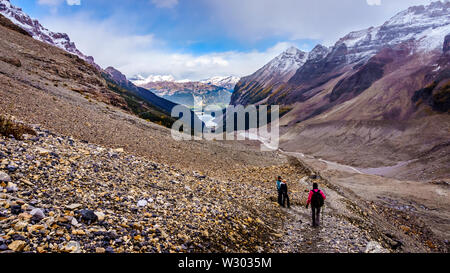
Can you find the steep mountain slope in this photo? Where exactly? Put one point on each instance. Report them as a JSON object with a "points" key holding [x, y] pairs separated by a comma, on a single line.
{"points": [[48, 68], [378, 97], [137, 100], [144, 96], [420, 28], [120, 79], [256, 87], [37, 31]]}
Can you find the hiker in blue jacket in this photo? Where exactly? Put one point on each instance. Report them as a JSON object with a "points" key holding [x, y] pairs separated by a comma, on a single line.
{"points": [[282, 192], [280, 196]]}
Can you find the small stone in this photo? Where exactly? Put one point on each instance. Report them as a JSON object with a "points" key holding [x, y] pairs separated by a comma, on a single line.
{"points": [[37, 214], [88, 216], [19, 226], [100, 216], [142, 203], [100, 250], [17, 246], [78, 232], [12, 168], [374, 247], [11, 187], [109, 250], [73, 206], [74, 222], [24, 216], [42, 151], [16, 209], [4, 177], [34, 228], [72, 247]]}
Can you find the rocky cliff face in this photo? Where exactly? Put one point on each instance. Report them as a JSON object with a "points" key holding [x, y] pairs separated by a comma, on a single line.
{"points": [[39, 32]]}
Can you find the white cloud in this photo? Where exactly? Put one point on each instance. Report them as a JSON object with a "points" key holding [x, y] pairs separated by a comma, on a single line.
{"points": [[50, 2], [112, 45], [55, 3], [301, 19], [73, 2], [373, 2], [165, 3]]}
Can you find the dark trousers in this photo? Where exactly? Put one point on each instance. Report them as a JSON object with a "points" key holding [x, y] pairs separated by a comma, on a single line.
{"points": [[315, 216], [283, 197]]}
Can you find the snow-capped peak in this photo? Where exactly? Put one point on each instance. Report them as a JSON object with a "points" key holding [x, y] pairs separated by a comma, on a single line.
{"points": [[225, 82], [38, 32], [427, 26], [290, 60], [139, 80], [318, 52]]}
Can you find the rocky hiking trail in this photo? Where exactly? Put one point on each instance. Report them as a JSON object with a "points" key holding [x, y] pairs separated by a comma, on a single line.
{"points": [[336, 232], [59, 194]]}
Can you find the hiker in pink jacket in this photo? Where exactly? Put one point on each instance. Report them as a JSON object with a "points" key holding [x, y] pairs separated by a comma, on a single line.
{"points": [[316, 198]]}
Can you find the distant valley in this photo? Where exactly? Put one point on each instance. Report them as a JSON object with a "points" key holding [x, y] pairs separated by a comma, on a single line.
{"points": [[214, 91]]}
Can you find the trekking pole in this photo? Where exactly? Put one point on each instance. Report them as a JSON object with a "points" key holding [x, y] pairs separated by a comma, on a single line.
{"points": [[323, 210]]}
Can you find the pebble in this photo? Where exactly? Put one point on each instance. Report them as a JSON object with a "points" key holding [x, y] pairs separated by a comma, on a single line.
{"points": [[4, 177], [142, 203], [74, 206], [375, 247], [17, 246], [72, 247], [12, 168], [16, 209], [11, 187], [37, 214], [88, 216], [100, 216], [100, 250]]}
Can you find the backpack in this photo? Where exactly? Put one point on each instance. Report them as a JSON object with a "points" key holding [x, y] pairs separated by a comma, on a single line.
{"points": [[317, 199]]}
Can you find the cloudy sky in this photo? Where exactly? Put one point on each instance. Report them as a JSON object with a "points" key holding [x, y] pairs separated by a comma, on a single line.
{"points": [[197, 39]]}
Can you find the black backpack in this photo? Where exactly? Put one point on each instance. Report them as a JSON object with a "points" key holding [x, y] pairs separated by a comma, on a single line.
{"points": [[317, 199]]}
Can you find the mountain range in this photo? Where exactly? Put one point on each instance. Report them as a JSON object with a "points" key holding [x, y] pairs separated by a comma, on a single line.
{"points": [[216, 90], [378, 97]]}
